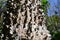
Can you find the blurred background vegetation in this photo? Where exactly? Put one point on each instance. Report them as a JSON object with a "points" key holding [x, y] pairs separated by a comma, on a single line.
{"points": [[52, 21]]}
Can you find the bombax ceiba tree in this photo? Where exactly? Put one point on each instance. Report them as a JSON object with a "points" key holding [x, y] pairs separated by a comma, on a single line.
{"points": [[24, 20]]}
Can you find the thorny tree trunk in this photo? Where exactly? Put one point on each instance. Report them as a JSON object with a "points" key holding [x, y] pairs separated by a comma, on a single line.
{"points": [[24, 20]]}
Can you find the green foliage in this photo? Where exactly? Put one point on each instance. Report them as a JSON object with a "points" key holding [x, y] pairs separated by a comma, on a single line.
{"points": [[45, 5], [44, 2], [1, 14], [1, 3], [56, 36], [53, 23]]}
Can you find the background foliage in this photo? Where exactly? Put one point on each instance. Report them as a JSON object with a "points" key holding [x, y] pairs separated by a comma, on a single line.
{"points": [[52, 22]]}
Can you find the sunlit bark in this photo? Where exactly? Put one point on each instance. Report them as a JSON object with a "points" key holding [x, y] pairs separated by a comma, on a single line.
{"points": [[25, 18]]}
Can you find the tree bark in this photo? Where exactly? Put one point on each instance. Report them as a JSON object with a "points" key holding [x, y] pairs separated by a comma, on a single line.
{"points": [[25, 20]]}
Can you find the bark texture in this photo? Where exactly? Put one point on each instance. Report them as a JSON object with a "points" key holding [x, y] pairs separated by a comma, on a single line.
{"points": [[24, 20]]}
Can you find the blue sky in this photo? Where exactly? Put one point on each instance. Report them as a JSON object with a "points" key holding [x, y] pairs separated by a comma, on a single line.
{"points": [[52, 7]]}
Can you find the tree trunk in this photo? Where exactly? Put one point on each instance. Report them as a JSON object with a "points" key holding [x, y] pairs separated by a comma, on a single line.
{"points": [[24, 20]]}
